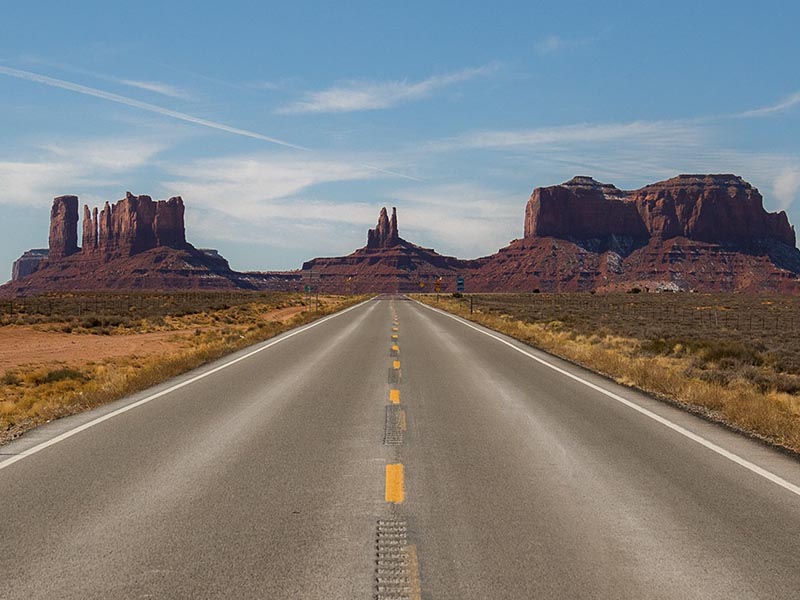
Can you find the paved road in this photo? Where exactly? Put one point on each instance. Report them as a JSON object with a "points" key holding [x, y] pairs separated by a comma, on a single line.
{"points": [[446, 463]]}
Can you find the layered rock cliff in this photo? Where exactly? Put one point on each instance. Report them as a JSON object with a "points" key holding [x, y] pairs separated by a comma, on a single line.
{"points": [[706, 208]]}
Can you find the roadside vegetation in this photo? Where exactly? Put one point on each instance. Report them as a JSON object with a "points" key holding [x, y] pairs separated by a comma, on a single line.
{"points": [[734, 358], [191, 329]]}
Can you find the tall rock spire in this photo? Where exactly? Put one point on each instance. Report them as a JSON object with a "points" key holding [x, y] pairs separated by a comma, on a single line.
{"points": [[385, 234], [64, 226]]}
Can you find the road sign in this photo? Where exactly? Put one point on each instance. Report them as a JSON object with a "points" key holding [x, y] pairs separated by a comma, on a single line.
{"points": [[459, 284], [308, 288], [438, 285]]}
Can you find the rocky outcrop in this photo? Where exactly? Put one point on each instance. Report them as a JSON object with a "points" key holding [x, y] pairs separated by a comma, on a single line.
{"points": [[64, 227], [133, 225], [385, 234], [692, 232], [706, 208], [130, 226], [89, 229], [28, 263], [388, 263], [135, 243]]}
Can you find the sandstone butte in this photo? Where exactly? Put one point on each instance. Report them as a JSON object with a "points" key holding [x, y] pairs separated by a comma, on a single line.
{"points": [[135, 243], [691, 232]]}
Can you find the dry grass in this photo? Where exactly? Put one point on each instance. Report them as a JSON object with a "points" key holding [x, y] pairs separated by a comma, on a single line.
{"points": [[748, 380], [34, 394]]}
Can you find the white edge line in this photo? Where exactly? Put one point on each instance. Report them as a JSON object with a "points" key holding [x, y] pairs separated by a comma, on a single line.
{"points": [[667, 423], [68, 434]]}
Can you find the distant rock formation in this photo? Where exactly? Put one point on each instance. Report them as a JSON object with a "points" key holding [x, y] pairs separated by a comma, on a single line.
{"points": [[135, 243], [691, 232], [388, 263], [28, 263], [127, 227], [134, 224], [705, 208], [64, 227], [385, 234]]}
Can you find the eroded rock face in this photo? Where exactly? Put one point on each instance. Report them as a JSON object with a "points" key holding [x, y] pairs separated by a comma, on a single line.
{"points": [[385, 234], [28, 263], [708, 208], [133, 225], [64, 227], [89, 229]]}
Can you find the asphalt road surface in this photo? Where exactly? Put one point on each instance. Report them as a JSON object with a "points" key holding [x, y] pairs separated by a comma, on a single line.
{"points": [[392, 451]]}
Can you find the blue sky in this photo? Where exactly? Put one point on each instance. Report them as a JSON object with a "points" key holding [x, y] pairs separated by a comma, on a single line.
{"points": [[286, 126]]}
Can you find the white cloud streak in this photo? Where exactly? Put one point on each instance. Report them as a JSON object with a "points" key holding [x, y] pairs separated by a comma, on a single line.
{"points": [[74, 167], [651, 132], [786, 186], [248, 186], [94, 92], [353, 96], [89, 91], [783, 105], [154, 86]]}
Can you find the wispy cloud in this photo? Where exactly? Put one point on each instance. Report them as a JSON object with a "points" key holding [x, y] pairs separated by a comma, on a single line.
{"points": [[353, 96], [94, 92], [251, 184], [787, 186], [90, 91], [75, 167], [555, 43], [274, 201], [154, 86], [651, 132], [157, 87], [783, 105], [279, 85], [464, 219]]}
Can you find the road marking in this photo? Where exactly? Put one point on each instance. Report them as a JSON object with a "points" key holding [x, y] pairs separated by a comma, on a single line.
{"points": [[169, 390], [776, 479], [395, 329], [395, 348], [413, 572], [394, 483], [394, 336], [396, 364], [394, 425], [394, 396]]}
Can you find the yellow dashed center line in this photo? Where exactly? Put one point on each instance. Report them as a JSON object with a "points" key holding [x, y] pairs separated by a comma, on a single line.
{"points": [[394, 336], [395, 329], [395, 348], [394, 396], [396, 364], [394, 483]]}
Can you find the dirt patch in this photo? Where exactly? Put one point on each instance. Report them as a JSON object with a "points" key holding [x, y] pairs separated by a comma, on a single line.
{"points": [[23, 346], [283, 314]]}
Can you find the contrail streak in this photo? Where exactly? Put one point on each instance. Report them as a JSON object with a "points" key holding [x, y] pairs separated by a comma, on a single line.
{"points": [[89, 91], [160, 110]]}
